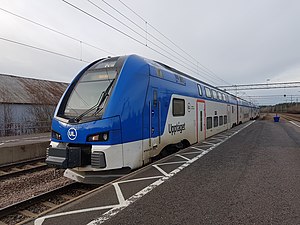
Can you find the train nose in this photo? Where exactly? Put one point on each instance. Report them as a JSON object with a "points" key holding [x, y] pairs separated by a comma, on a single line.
{"points": [[69, 156]]}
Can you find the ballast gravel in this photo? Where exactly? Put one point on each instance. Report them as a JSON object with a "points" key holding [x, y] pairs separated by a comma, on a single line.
{"points": [[23, 187]]}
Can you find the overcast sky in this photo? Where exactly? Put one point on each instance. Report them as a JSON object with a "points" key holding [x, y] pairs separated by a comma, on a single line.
{"points": [[239, 41]]}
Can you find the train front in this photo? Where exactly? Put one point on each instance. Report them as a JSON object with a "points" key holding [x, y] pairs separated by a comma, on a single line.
{"points": [[85, 141]]}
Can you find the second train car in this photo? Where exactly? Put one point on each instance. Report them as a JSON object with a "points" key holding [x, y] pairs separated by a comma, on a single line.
{"points": [[120, 112]]}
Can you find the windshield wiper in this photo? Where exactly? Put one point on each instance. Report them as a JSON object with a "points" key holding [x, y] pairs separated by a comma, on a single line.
{"points": [[104, 96], [101, 99]]}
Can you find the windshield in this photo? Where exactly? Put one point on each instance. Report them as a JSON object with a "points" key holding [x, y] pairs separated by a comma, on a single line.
{"points": [[88, 92]]}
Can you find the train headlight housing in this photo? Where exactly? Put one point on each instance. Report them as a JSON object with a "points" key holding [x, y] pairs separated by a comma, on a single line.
{"points": [[55, 135], [98, 137]]}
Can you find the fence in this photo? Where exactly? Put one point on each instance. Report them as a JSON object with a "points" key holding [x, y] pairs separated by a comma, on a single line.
{"points": [[29, 127]]}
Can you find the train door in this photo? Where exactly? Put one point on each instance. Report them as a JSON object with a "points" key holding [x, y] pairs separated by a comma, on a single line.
{"points": [[200, 121], [229, 125], [151, 125], [154, 139]]}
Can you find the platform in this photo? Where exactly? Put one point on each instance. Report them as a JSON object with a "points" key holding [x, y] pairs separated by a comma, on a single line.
{"points": [[23, 147], [247, 175]]}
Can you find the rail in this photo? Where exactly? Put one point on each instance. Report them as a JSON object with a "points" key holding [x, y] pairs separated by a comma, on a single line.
{"points": [[288, 116], [25, 211], [19, 168]]}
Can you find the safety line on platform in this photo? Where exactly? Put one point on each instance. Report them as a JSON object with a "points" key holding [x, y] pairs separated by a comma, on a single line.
{"points": [[294, 123], [114, 209]]}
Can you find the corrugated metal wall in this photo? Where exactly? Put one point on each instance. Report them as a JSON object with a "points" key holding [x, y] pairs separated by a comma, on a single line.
{"points": [[27, 105]]}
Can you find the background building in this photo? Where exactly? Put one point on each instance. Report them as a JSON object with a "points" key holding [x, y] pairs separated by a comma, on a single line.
{"points": [[27, 105]]}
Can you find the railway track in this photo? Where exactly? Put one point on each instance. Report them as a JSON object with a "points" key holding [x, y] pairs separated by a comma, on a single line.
{"points": [[293, 117], [19, 168], [25, 211]]}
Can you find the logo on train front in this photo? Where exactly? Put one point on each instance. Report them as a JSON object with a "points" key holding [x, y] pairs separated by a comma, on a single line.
{"points": [[72, 133]]}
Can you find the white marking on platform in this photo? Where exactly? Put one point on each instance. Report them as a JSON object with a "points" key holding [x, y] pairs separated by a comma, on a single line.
{"points": [[190, 153], [119, 193], [170, 163], [221, 135], [40, 221], [13, 140], [114, 209], [208, 143], [218, 139], [294, 123], [139, 179], [187, 159], [149, 188], [30, 138], [198, 149], [1, 143], [161, 170]]}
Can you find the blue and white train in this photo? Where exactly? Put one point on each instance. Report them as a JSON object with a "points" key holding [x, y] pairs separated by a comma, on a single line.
{"points": [[119, 113]]}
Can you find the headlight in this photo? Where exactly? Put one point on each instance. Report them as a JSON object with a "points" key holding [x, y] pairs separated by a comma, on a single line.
{"points": [[55, 135], [98, 137]]}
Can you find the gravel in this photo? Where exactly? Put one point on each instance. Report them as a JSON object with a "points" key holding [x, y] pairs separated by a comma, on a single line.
{"points": [[22, 187], [14, 219]]}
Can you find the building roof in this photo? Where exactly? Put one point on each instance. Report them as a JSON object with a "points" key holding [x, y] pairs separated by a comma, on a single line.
{"points": [[20, 90]]}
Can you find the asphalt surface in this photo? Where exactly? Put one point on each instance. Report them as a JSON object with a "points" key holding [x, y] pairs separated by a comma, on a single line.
{"points": [[251, 178]]}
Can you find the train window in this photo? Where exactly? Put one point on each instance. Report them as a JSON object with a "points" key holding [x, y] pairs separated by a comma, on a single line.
{"points": [[221, 96], [87, 92], [201, 120], [224, 98], [181, 79], [199, 90], [155, 98], [216, 121], [208, 123], [232, 109], [178, 107], [225, 119], [221, 120], [214, 93], [207, 92], [227, 98]]}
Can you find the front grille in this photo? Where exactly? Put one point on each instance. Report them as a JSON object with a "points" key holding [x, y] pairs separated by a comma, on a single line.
{"points": [[98, 160]]}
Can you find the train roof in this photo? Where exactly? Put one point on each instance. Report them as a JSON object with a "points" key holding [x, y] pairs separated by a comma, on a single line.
{"points": [[173, 70], [160, 65]]}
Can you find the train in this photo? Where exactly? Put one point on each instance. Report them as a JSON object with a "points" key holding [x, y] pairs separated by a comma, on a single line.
{"points": [[119, 113]]}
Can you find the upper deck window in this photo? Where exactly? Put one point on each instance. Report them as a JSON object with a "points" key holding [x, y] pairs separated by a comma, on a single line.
{"points": [[224, 98], [227, 98], [199, 90], [214, 93], [219, 96], [207, 92]]}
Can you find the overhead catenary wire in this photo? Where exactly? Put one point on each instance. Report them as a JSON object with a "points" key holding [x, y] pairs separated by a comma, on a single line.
{"points": [[137, 33], [129, 36], [42, 49], [206, 72], [56, 31], [194, 69], [198, 63], [155, 38], [82, 42]]}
